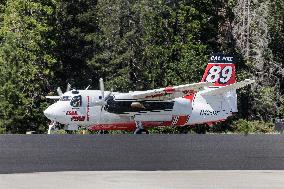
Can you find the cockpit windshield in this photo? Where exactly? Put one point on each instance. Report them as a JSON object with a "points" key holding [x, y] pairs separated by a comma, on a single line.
{"points": [[76, 101], [65, 98]]}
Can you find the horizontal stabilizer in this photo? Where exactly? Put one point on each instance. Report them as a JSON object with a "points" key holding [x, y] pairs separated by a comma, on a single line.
{"points": [[228, 88], [53, 97]]}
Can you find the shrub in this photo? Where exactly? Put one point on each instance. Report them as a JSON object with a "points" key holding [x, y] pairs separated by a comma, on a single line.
{"points": [[245, 126]]}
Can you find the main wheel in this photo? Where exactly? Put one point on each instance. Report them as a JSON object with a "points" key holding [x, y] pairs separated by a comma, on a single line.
{"points": [[141, 131], [103, 132]]}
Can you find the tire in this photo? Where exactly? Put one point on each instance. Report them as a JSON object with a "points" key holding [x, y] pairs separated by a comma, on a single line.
{"points": [[103, 132], [141, 131]]}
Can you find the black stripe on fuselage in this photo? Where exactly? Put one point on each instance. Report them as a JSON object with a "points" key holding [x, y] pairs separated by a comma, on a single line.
{"points": [[123, 105]]}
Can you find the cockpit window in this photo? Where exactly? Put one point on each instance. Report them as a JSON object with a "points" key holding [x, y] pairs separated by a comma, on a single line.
{"points": [[76, 101], [65, 98]]}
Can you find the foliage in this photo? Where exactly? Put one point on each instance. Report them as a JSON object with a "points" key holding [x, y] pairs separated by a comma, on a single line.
{"points": [[135, 54], [76, 28], [281, 111], [25, 63], [246, 127], [258, 32]]}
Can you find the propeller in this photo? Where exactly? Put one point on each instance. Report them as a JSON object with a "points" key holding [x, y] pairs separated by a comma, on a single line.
{"points": [[59, 92], [68, 88], [102, 88], [103, 101]]}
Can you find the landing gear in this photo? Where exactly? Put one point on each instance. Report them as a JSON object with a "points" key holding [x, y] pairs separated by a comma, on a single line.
{"points": [[140, 129], [51, 127], [103, 132]]}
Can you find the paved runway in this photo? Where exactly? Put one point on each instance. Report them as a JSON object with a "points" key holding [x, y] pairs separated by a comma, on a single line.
{"points": [[146, 180], [45, 153]]}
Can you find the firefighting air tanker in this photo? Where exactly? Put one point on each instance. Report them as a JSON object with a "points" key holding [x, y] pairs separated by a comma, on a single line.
{"points": [[212, 100]]}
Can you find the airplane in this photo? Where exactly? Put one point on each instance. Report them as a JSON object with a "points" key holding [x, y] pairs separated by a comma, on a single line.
{"points": [[212, 100]]}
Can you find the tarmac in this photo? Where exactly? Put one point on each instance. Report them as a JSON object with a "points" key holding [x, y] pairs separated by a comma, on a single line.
{"points": [[53, 153], [141, 161], [145, 180]]}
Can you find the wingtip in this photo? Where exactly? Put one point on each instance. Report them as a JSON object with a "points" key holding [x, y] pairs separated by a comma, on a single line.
{"points": [[249, 81], [53, 97]]}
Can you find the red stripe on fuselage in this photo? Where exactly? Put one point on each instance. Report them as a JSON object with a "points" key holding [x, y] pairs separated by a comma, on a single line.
{"points": [[88, 108], [182, 120], [126, 125], [190, 97]]}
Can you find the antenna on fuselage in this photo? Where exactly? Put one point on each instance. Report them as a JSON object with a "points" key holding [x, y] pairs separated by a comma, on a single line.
{"points": [[88, 87]]}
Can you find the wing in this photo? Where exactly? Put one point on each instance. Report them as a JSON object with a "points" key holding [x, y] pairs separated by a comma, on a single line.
{"points": [[228, 88], [53, 97], [169, 93]]}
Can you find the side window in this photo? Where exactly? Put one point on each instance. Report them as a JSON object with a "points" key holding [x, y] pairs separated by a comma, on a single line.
{"points": [[65, 98], [76, 101]]}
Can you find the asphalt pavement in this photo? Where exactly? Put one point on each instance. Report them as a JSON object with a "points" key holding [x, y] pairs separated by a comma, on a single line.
{"points": [[145, 180], [52, 153]]}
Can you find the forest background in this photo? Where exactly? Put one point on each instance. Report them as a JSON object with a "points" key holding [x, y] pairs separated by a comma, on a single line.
{"points": [[138, 45]]}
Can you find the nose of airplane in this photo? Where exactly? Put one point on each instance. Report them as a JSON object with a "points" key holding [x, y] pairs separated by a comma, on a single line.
{"points": [[50, 112]]}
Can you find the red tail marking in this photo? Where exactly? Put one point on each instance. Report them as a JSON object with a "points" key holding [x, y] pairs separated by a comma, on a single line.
{"points": [[221, 74]]}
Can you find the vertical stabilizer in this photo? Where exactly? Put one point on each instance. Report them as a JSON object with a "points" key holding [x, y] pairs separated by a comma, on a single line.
{"points": [[220, 70]]}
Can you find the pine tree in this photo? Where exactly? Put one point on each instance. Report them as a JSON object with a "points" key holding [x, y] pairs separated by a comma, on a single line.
{"points": [[119, 58], [149, 44], [26, 63], [179, 37], [252, 32], [76, 29]]}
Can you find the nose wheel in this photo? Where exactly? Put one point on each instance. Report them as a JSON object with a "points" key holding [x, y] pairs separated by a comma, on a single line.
{"points": [[51, 127], [140, 129]]}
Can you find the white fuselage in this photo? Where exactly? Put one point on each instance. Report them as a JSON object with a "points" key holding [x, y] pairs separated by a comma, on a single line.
{"points": [[79, 108]]}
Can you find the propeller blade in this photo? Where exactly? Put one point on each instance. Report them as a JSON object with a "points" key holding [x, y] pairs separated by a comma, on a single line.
{"points": [[68, 87], [102, 88], [100, 103], [59, 91], [108, 95]]}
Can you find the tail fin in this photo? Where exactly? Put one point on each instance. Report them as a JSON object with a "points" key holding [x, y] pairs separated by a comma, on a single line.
{"points": [[220, 70]]}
